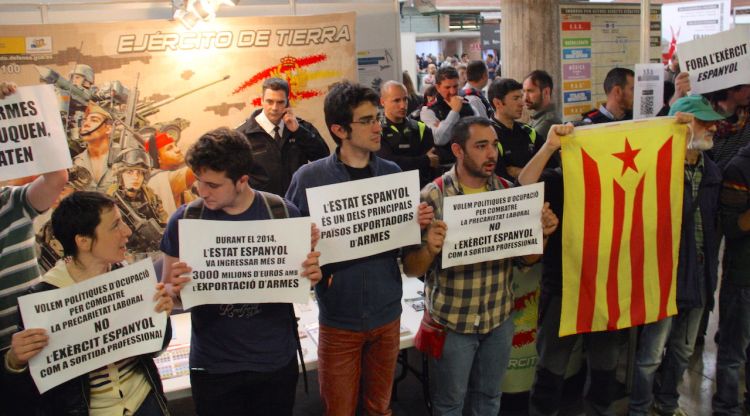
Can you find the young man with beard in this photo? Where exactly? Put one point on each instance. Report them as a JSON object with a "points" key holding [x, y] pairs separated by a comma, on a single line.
{"points": [[281, 142], [359, 300], [619, 85], [518, 142], [242, 356], [537, 97], [697, 270], [407, 142], [473, 302]]}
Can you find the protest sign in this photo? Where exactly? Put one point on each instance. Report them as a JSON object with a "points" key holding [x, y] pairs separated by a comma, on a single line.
{"points": [[649, 90], [365, 217], [718, 61], [94, 323], [32, 139], [245, 262], [493, 225]]}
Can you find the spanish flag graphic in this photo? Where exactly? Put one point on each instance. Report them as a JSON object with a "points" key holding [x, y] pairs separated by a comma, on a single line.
{"points": [[621, 226]]}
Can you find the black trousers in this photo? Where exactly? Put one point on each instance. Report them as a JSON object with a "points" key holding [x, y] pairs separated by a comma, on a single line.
{"points": [[245, 392]]}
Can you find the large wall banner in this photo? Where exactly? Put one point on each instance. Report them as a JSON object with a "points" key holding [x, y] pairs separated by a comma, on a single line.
{"points": [[134, 95], [595, 38]]}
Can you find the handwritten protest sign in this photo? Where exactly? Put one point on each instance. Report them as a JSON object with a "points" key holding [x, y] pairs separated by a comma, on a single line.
{"points": [[717, 61], [365, 217], [493, 225], [245, 261], [649, 90], [32, 140], [94, 323]]}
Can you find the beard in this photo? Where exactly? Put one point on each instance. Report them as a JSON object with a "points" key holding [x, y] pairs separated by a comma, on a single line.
{"points": [[702, 142]]}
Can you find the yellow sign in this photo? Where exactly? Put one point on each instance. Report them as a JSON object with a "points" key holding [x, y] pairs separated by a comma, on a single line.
{"points": [[12, 45]]}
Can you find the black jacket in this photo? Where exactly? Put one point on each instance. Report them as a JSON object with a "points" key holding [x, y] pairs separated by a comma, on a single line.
{"points": [[275, 163], [21, 397], [407, 144]]}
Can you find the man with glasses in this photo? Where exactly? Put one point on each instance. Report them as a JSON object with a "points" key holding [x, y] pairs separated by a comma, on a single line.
{"points": [[359, 300]]}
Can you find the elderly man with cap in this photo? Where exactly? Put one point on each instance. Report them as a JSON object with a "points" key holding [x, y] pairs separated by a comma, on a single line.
{"points": [[95, 132], [171, 179], [697, 269]]}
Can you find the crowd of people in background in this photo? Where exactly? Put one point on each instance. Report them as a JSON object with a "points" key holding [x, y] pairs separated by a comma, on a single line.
{"points": [[466, 133]]}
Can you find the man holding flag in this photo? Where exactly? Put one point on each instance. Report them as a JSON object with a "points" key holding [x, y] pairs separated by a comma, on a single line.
{"points": [[555, 351], [613, 266], [697, 269]]}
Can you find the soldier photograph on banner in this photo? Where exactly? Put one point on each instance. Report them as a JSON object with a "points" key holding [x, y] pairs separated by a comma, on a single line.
{"points": [[133, 98]]}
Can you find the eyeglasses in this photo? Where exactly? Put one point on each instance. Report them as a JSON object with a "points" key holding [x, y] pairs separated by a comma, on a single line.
{"points": [[368, 121]]}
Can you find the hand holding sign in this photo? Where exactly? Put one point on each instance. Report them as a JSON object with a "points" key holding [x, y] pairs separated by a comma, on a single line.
{"points": [[25, 345], [6, 89], [549, 221]]}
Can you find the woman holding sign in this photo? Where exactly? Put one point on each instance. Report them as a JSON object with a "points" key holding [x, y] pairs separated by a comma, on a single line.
{"points": [[93, 236]]}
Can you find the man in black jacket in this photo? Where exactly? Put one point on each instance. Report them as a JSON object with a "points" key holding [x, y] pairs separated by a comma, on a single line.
{"points": [[281, 142], [407, 142]]}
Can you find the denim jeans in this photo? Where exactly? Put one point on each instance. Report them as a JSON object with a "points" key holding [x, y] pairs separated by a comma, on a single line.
{"points": [[245, 392], [345, 357], [554, 353], [734, 327], [470, 372], [651, 342], [677, 334], [680, 347]]}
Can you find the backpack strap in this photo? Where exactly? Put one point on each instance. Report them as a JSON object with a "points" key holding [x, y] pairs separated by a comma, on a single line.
{"points": [[277, 209], [194, 210], [275, 205]]}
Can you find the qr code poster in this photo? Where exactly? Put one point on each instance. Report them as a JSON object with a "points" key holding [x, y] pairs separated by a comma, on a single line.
{"points": [[649, 90]]}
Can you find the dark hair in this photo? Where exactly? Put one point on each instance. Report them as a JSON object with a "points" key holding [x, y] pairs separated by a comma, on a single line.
{"points": [[617, 77], [276, 84], [222, 150], [475, 70], [460, 133], [501, 87], [343, 97], [446, 72], [715, 97], [430, 91], [541, 79], [409, 84], [79, 214]]}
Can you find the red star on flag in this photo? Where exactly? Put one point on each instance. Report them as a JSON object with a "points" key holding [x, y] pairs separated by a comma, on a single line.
{"points": [[628, 157]]}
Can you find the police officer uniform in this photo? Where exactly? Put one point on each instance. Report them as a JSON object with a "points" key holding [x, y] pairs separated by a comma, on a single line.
{"points": [[601, 115], [406, 144], [516, 146]]}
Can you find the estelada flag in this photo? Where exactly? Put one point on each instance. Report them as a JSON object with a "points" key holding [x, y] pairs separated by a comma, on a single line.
{"points": [[621, 225]]}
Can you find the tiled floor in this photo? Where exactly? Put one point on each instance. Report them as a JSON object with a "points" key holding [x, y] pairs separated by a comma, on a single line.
{"points": [[695, 391]]}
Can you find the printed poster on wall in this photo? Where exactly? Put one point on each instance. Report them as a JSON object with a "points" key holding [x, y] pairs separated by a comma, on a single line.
{"points": [[139, 93], [595, 38], [94, 323]]}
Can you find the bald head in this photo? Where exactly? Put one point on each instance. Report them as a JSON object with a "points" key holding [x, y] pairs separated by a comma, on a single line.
{"points": [[393, 98]]}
